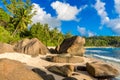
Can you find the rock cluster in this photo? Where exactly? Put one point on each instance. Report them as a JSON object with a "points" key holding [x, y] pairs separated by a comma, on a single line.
{"points": [[71, 50], [32, 47]]}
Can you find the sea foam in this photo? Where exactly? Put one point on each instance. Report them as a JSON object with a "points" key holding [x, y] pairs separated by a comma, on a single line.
{"points": [[107, 58]]}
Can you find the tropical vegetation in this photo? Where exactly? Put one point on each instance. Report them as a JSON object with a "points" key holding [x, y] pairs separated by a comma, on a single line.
{"points": [[16, 18]]}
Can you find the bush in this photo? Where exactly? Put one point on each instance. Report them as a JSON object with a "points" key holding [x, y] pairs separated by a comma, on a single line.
{"points": [[4, 35]]}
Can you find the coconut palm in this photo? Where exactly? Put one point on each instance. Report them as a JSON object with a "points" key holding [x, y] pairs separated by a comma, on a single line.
{"points": [[21, 14]]}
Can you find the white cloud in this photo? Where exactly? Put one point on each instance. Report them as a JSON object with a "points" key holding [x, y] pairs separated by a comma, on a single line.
{"points": [[100, 8], [90, 34], [84, 32], [117, 6], [81, 30], [114, 24], [44, 18], [65, 11]]}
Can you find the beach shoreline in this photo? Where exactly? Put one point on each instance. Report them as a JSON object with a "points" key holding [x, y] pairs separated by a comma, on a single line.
{"points": [[88, 47], [40, 63]]}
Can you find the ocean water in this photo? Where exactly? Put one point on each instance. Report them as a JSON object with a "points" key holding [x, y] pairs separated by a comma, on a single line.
{"points": [[106, 54]]}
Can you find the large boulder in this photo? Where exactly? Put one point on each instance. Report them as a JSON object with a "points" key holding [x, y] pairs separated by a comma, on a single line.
{"points": [[101, 70], [66, 59], [14, 70], [73, 45], [65, 70], [4, 47], [32, 47]]}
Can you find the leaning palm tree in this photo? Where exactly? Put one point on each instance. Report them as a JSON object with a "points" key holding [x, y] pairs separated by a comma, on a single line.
{"points": [[20, 12], [21, 20]]}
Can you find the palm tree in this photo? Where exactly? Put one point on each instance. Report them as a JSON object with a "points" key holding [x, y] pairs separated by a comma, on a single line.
{"points": [[21, 14], [21, 20]]}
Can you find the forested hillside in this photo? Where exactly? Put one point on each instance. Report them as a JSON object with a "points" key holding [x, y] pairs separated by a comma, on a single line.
{"points": [[113, 41]]}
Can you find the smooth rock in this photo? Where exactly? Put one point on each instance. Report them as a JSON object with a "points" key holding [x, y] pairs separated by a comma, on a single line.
{"points": [[14, 70], [65, 70], [67, 59], [32, 47], [73, 45], [4, 47], [101, 70]]}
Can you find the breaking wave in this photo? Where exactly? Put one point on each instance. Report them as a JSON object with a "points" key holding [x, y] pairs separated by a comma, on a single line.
{"points": [[107, 58]]}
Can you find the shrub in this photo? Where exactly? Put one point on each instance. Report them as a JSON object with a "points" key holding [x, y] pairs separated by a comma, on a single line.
{"points": [[4, 35]]}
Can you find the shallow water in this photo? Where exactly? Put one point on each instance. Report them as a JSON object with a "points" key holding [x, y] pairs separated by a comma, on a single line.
{"points": [[107, 54]]}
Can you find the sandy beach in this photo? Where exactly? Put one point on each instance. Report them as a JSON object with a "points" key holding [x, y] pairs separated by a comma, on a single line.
{"points": [[39, 62]]}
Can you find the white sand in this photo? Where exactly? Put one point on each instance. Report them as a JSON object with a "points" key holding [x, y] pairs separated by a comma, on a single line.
{"points": [[39, 62]]}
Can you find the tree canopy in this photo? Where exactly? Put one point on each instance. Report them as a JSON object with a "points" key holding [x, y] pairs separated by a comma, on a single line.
{"points": [[4, 17], [20, 11]]}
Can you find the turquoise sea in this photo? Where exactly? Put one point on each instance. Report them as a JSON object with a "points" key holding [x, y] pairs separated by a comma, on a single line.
{"points": [[107, 54]]}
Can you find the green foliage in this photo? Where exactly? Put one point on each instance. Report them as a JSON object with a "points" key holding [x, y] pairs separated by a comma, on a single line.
{"points": [[50, 37], [21, 14], [103, 41], [4, 35], [17, 24], [37, 30], [4, 17], [68, 35]]}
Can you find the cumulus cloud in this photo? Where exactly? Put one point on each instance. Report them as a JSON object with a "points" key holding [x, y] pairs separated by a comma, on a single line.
{"points": [[81, 30], [117, 6], [44, 18], [65, 11], [84, 32], [100, 8], [90, 34], [113, 24]]}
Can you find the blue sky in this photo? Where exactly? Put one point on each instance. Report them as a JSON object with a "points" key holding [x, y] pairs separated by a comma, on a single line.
{"points": [[80, 17]]}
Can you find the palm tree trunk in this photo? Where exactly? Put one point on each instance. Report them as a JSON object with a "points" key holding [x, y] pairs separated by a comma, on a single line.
{"points": [[15, 32]]}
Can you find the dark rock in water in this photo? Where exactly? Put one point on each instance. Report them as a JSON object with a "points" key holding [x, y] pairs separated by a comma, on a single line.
{"points": [[65, 71], [43, 74], [73, 45], [70, 78], [14, 70], [101, 70], [66, 59], [32, 47], [4, 47]]}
